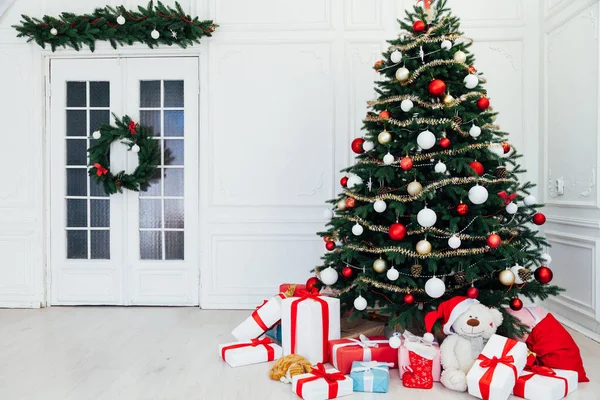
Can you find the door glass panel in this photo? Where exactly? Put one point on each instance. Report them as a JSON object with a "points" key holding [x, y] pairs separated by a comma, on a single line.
{"points": [[76, 94], [153, 186], [77, 152], [100, 213], [76, 213], [100, 244], [150, 213], [98, 117], [151, 245], [173, 123], [173, 245], [151, 119], [150, 94], [76, 123], [77, 182], [174, 214], [99, 94], [173, 152], [174, 182], [77, 244], [173, 93]]}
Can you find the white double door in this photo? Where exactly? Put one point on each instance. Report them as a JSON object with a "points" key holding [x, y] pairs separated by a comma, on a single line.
{"points": [[130, 248]]}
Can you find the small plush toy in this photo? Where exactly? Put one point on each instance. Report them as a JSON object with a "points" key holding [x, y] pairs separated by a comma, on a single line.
{"points": [[288, 366], [468, 324]]}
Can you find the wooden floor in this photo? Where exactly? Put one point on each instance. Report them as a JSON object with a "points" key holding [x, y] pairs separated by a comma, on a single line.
{"points": [[109, 353]]}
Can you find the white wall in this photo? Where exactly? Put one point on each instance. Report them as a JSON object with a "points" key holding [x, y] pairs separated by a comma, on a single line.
{"points": [[284, 92]]}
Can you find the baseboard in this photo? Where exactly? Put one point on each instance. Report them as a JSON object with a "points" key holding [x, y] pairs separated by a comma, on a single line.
{"points": [[575, 326], [20, 304]]}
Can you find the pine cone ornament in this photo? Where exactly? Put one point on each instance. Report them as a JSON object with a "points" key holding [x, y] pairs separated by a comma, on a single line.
{"points": [[119, 183], [416, 270], [525, 274], [457, 119], [383, 190], [501, 172], [460, 278]]}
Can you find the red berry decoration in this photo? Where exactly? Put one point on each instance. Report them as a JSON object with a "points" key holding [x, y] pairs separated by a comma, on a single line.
{"points": [[419, 26], [472, 69], [350, 202], [506, 147], [543, 275], [409, 298], [436, 87], [477, 167], [472, 292], [539, 219], [330, 245], [445, 142], [344, 181], [378, 64], [462, 209], [397, 231], [494, 240], [406, 163], [357, 146], [483, 103], [311, 284], [384, 115], [516, 304]]}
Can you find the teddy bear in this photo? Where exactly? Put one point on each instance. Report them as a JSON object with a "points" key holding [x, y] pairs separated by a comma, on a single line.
{"points": [[468, 325], [288, 366]]}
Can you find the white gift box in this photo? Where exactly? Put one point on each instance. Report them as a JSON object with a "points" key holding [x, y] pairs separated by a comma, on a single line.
{"points": [[536, 385], [305, 333], [255, 351], [490, 379], [312, 387], [261, 320]]}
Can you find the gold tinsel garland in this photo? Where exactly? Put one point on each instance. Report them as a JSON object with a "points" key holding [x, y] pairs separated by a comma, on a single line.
{"points": [[418, 100], [435, 63], [428, 188], [414, 254], [428, 156], [426, 121], [429, 40]]}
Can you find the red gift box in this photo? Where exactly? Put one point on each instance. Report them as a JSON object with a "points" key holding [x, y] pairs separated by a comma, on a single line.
{"points": [[375, 348]]}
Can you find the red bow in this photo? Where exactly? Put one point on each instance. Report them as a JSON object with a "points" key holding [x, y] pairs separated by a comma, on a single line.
{"points": [[253, 343], [507, 197], [491, 364], [100, 170], [519, 389], [131, 127], [319, 372]]}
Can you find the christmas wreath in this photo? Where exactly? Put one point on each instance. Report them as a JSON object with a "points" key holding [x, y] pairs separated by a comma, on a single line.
{"points": [[138, 139]]}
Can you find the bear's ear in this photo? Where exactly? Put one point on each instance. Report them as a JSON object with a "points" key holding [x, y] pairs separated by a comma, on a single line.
{"points": [[497, 316]]}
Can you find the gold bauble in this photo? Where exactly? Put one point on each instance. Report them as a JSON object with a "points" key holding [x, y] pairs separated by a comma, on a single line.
{"points": [[460, 56], [424, 247], [414, 188], [506, 277], [380, 265], [341, 205], [402, 74], [448, 100], [384, 137]]}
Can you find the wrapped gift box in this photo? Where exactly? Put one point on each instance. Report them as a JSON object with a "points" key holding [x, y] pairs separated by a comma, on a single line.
{"points": [[343, 352], [322, 384], [261, 319], [308, 323], [370, 376], [299, 289], [357, 327], [542, 383], [529, 316], [251, 352], [497, 368], [275, 333], [404, 361]]}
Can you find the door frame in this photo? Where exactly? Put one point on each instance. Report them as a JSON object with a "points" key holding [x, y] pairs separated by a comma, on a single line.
{"points": [[103, 50]]}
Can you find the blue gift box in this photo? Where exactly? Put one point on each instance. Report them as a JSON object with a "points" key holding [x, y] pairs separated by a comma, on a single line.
{"points": [[275, 333], [370, 376]]}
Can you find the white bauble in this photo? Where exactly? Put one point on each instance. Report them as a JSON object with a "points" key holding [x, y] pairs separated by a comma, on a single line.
{"points": [[396, 57], [406, 105], [368, 145], [426, 140], [329, 276], [460, 56], [475, 131], [529, 200], [426, 217], [454, 242], [435, 287], [512, 208], [354, 180], [515, 270], [414, 188], [135, 148], [357, 229], [121, 20], [388, 159], [440, 167], [155, 34], [360, 303], [497, 149], [402, 74], [328, 214], [393, 274], [395, 341], [341, 205], [478, 194], [546, 258], [96, 135], [471, 81], [379, 206], [446, 45], [54, 31]]}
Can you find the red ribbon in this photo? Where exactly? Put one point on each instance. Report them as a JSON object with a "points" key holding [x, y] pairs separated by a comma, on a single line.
{"points": [[319, 372], [253, 343], [100, 170], [131, 127], [507, 197], [519, 389], [257, 317], [324, 321], [491, 364], [427, 4]]}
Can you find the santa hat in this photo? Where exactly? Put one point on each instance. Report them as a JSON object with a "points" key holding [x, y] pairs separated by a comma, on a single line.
{"points": [[448, 312]]}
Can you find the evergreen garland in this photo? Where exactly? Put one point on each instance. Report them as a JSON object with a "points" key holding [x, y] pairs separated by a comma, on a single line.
{"points": [[117, 25]]}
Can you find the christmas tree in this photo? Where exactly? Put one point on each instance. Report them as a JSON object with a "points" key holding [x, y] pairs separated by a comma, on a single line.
{"points": [[433, 207]]}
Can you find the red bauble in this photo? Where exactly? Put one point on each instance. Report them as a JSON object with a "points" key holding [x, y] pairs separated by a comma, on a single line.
{"points": [[436, 87], [477, 167], [494, 240], [384, 115], [397, 231], [462, 209], [418, 26], [543, 275], [445, 142], [350, 202], [516, 304], [472, 69], [539, 219], [326, 239], [330, 245], [472, 292], [311, 284], [357, 146], [506, 147], [409, 298], [344, 181], [347, 272], [378, 64], [483, 103], [406, 163]]}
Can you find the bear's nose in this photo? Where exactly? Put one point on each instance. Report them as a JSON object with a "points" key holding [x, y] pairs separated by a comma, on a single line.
{"points": [[473, 322]]}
